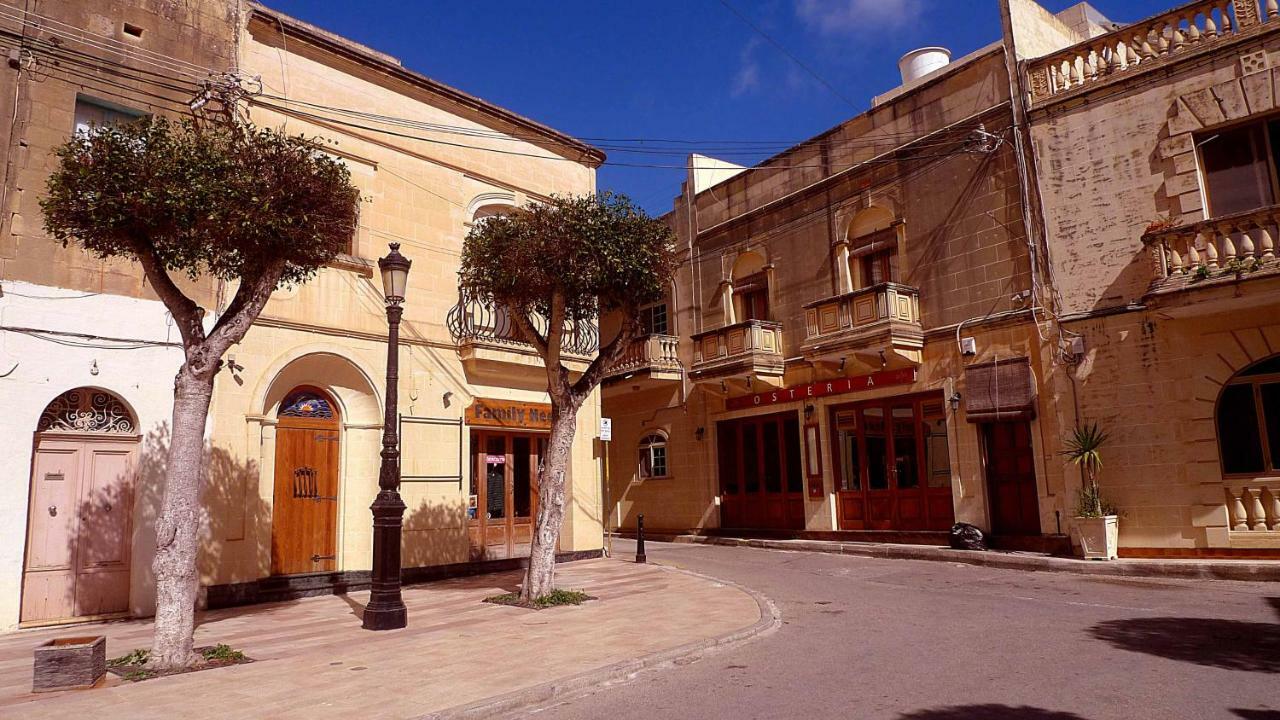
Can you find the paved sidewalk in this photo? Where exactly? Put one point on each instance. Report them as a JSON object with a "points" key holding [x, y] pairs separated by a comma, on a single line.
{"points": [[314, 660], [1248, 570]]}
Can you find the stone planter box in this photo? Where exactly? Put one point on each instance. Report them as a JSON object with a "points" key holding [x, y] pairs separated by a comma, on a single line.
{"points": [[67, 663], [1099, 537]]}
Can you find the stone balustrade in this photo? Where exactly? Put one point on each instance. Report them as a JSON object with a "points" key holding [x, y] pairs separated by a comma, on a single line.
{"points": [[1144, 43], [1254, 506], [1241, 242], [654, 353], [753, 347], [880, 318]]}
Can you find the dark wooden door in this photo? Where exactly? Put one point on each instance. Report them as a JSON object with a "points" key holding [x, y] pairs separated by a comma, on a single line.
{"points": [[504, 493], [304, 524], [1011, 478], [761, 478]]}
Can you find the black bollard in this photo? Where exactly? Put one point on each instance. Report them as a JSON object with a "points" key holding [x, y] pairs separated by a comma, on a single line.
{"points": [[640, 557]]}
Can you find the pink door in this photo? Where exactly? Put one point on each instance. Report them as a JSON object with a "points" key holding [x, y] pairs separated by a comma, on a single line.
{"points": [[78, 533]]}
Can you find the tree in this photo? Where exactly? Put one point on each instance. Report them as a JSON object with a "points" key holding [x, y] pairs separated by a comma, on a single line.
{"points": [[220, 200], [557, 264]]}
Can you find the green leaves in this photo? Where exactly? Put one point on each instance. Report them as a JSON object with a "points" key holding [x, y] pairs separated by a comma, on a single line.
{"points": [[215, 199], [1083, 447], [601, 251]]}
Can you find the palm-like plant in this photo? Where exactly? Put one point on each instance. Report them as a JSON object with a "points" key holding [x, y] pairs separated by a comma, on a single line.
{"points": [[1083, 447]]}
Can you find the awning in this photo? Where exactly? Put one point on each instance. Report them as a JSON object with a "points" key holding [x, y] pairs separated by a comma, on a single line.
{"points": [[1000, 391]]}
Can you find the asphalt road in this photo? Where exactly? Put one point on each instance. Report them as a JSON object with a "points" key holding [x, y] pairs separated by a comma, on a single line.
{"points": [[914, 640]]}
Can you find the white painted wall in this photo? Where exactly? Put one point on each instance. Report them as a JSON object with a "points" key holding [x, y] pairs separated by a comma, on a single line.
{"points": [[38, 370]]}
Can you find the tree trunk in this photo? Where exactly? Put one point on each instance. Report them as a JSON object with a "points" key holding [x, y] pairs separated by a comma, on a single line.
{"points": [[179, 521], [539, 578]]}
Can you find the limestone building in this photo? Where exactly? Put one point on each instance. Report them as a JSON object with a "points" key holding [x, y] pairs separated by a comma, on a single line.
{"points": [[895, 324], [89, 354]]}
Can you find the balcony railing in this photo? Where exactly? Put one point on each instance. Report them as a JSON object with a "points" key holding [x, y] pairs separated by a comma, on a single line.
{"points": [[1144, 44], [1231, 245], [475, 320], [1254, 505], [654, 353], [753, 347], [862, 314]]}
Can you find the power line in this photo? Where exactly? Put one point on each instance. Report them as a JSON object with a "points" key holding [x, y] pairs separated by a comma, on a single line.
{"points": [[788, 53]]}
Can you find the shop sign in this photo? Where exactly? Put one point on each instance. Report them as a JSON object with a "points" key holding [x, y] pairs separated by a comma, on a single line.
{"points": [[837, 386], [487, 412]]}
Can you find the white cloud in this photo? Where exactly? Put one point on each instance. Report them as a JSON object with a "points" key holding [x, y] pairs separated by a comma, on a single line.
{"points": [[850, 17], [747, 78]]}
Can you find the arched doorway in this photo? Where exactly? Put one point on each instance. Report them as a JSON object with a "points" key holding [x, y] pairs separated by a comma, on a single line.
{"points": [[81, 509], [304, 526]]}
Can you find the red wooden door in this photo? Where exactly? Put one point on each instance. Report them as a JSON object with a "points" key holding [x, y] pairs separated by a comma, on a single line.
{"points": [[1011, 478], [761, 478], [304, 521]]}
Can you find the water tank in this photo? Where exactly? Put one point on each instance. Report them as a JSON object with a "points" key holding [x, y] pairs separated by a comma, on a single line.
{"points": [[918, 63]]}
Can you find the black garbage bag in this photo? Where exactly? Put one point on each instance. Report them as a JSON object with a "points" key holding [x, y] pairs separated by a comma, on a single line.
{"points": [[967, 537]]}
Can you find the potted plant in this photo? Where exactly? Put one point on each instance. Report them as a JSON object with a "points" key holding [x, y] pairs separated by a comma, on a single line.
{"points": [[1096, 519]]}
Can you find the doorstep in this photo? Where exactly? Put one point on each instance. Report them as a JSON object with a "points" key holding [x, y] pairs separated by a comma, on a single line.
{"points": [[1205, 569]]}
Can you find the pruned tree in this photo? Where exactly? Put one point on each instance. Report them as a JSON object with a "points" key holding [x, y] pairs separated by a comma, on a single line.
{"points": [[554, 265], [221, 200]]}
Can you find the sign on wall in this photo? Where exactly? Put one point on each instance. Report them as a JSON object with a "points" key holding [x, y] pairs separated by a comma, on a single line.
{"points": [[837, 386], [606, 429], [487, 412]]}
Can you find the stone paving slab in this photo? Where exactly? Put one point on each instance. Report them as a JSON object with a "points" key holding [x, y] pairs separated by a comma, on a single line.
{"points": [[1246, 570], [313, 660]]}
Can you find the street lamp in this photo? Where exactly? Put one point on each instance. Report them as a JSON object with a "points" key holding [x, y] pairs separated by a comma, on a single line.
{"points": [[386, 610]]}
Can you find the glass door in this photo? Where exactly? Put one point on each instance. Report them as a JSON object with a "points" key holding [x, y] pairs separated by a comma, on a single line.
{"points": [[503, 498]]}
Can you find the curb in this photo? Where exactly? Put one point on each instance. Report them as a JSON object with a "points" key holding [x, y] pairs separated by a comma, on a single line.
{"points": [[498, 705], [1241, 570]]}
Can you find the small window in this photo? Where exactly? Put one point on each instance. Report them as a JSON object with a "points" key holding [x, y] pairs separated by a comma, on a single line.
{"points": [[875, 258], [653, 456], [753, 297], [92, 113], [1248, 421], [1239, 167], [654, 319]]}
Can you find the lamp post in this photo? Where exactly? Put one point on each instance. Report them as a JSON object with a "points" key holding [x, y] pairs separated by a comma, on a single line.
{"points": [[386, 610]]}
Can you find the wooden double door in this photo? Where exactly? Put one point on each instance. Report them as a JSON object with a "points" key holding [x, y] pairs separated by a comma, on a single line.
{"points": [[505, 468], [761, 483], [79, 528], [893, 468]]}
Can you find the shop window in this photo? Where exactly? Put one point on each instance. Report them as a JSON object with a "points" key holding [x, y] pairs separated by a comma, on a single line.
{"points": [[654, 319], [653, 456], [92, 113], [1248, 420], [1240, 167], [752, 293]]}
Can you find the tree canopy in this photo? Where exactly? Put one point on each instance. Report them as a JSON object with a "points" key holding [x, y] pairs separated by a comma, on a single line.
{"points": [[222, 199]]}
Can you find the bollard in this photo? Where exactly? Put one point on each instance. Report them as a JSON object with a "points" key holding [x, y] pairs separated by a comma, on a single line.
{"points": [[640, 557]]}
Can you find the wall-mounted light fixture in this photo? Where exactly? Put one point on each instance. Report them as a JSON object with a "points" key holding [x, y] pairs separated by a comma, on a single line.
{"points": [[808, 412], [448, 395], [700, 433], [954, 400]]}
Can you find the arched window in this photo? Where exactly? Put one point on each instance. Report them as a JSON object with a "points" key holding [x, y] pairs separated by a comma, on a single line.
{"points": [[1248, 419], [653, 455], [750, 288], [87, 410], [873, 248]]}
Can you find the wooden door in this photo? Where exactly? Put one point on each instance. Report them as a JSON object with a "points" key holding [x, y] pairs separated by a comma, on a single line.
{"points": [[761, 478], [504, 493], [1011, 478], [79, 528], [304, 523]]}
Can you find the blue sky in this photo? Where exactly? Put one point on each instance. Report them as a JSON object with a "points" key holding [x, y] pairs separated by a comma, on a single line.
{"points": [[683, 69]]}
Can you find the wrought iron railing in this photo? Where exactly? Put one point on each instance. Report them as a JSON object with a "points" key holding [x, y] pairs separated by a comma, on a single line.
{"points": [[479, 320]]}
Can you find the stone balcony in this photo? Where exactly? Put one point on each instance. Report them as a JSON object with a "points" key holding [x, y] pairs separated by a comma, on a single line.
{"points": [[1144, 45], [879, 324], [1215, 251], [745, 351], [1253, 511], [649, 359], [487, 338]]}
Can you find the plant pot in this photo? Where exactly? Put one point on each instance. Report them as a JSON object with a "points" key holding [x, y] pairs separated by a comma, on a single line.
{"points": [[67, 663], [1099, 536]]}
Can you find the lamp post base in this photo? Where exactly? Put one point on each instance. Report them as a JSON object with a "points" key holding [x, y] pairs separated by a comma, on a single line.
{"points": [[386, 610], [385, 618]]}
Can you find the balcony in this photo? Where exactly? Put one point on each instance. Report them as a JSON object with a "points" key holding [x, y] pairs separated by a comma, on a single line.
{"points": [[745, 350], [487, 339], [649, 358], [1144, 45], [880, 323], [1214, 252]]}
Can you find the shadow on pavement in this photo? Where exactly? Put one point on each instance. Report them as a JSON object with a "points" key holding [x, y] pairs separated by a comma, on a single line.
{"points": [[1230, 644], [1257, 714], [989, 712]]}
